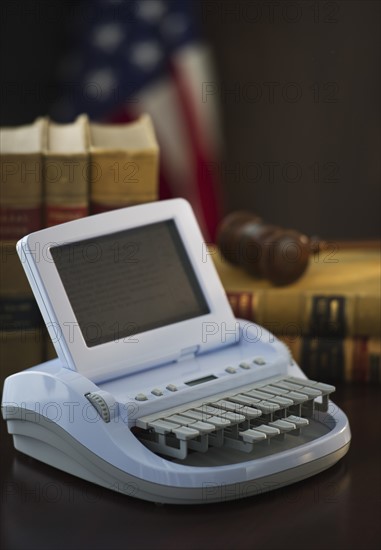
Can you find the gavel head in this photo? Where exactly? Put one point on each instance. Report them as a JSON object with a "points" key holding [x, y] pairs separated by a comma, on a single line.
{"points": [[264, 251]]}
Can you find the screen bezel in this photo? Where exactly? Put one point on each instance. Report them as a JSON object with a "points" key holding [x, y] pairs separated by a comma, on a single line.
{"points": [[146, 349]]}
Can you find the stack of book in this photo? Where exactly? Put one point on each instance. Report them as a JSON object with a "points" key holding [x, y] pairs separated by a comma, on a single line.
{"points": [[330, 318], [52, 173]]}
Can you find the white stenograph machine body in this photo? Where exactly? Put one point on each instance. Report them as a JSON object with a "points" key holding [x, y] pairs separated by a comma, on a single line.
{"points": [[158, 391]]}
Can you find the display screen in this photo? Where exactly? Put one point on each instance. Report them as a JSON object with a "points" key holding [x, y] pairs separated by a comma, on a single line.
{"points": [[129, 282], [201, 380]]}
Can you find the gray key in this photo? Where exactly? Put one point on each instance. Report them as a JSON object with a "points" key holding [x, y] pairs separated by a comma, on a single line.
{"points": [[219, 422], [308, 390], [283, 425], [290, 394], [228, 405], [325, 388], [272, 393], [247, 411], [244, 399], [180, 419], [235, 418], [282, 401], [287, 385], [275, 390], [162, 426], [258, 394], [267, 407], [297, 397], [268, 430], [252, 436], [297, 420], [311, 392], [203, 427], [185, 433], [196, 414]]}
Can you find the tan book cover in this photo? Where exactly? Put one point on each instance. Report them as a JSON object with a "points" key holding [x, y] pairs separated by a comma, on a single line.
{"points": [[21, 190], [124, 164], [66, 171], [21, 178], [339, 295]]}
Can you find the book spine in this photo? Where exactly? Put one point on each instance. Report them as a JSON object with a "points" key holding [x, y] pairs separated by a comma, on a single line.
{"points": [[308, 314], [66, 188], [21, 194], [355, 359], [20, 214], [119, 179]]}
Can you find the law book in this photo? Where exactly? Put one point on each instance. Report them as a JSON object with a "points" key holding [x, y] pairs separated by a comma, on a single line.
{"points": [[124, 164], [352, 359], [21, 188], [338, 296], [66, 171]]}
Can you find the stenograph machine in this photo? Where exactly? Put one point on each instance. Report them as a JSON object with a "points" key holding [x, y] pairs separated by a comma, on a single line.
{"points": [[158, 391]]}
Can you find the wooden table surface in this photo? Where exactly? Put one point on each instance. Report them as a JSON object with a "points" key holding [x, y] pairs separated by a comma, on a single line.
{"points": [[339, 508]]}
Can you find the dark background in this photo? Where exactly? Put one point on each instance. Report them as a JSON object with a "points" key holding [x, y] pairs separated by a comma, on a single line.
{"points": [[298, 85]]}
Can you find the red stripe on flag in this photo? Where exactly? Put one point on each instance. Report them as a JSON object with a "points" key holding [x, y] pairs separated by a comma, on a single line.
{"points": [[205, 183]]}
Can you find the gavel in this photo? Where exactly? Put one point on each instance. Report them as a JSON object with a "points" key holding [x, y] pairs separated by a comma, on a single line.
{"points": [[264, 251]]}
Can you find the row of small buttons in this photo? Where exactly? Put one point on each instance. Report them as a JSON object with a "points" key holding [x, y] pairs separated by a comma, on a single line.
{"points": [[157, 392], [245, 365]]}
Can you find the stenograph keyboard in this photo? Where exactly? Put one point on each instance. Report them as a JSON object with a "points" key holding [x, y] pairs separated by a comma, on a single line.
{"points": [[237, 419]]}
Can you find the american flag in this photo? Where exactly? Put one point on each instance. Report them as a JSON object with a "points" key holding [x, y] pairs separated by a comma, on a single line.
{"points": [[133, 56]]}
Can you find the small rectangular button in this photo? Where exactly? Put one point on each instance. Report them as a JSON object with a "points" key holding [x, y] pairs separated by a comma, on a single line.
{"points": [[231, 370], [141, 397]]}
